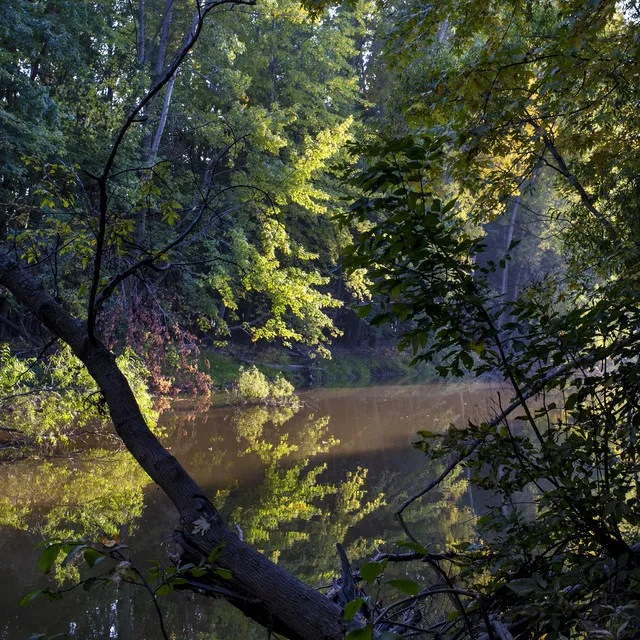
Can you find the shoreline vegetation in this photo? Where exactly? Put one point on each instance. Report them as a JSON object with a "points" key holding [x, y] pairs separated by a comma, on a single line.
{"points": [[49, 406], [346, 367]]}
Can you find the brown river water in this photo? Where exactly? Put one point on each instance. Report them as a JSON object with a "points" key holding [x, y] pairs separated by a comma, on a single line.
{"points": [[294, 481]]}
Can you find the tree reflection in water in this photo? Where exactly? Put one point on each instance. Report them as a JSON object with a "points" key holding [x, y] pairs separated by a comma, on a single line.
{"points": [[281, 474]]}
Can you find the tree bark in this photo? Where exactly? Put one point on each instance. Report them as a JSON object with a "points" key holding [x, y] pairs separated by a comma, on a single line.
{"points": [[164, 114], [151, 140], [265, 592], [141, 33], [509, 240]]}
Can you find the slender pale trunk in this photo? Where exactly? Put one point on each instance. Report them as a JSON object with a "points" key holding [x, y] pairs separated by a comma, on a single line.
{"points": [[141, 33], [512, 226], [164, 114], [151, 141], [517, 203], [164, 40]]}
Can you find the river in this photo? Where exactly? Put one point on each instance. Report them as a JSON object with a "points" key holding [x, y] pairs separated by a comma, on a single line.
{"points": [[294, 482]]}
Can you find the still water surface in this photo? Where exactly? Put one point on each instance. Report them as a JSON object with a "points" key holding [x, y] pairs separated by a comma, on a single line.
{"points": [[295, 482]]}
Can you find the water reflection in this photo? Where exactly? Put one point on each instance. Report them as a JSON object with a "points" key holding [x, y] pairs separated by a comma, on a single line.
{"points": [[296, 480]]}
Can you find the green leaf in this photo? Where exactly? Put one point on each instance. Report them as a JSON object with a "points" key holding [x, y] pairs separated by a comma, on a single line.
{"points": [[371, 570], [93, 556], [361, 634], [409, 587], [571, 402], [49, 557], [216, 553], [29, 597], [449, 205], [467, 360], [523, 586], [165, 589], [351, 608], [225, 574], [364, 310]]}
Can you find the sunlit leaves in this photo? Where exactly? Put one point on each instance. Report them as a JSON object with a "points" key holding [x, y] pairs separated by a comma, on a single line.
{"points": [[49, 400]]}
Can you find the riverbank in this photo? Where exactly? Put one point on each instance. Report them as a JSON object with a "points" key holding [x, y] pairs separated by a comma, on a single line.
{"points": [[345, 368]]}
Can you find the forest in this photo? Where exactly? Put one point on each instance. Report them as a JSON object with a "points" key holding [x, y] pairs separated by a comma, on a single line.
{"points": [[319, 319]]}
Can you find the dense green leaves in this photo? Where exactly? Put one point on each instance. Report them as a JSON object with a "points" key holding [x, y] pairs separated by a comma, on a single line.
{"points": [[561, 455], [351, 608], [216, 226], [211, 219]]}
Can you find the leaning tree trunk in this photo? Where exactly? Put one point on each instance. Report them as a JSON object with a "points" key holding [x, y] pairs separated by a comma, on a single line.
{"points": [[263, 591]]}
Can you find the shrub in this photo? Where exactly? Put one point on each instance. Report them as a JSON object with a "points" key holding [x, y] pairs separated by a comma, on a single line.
{"points": [[48, 400], [253, 386], [281, 389]]}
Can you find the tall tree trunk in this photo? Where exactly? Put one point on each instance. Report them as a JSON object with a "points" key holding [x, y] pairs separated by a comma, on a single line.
{"points": [[517, 203], [151, 140], [264, 591], [507, 244], [141, 33], [164, 114]]}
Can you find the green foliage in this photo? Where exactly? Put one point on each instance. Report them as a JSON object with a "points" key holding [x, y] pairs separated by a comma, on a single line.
{"points": [[225, 202], [253, 185], [572, 455], [419, 239], [252, 386], [50, 399], [370, 571], [120, 569], [514, 88], [281, 389]]}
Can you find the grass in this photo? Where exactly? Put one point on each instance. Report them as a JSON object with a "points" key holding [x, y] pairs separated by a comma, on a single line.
{"points": [[223, 369]]}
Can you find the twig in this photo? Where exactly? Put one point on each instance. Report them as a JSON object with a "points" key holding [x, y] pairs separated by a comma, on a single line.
{"points": [[556, 373]]}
